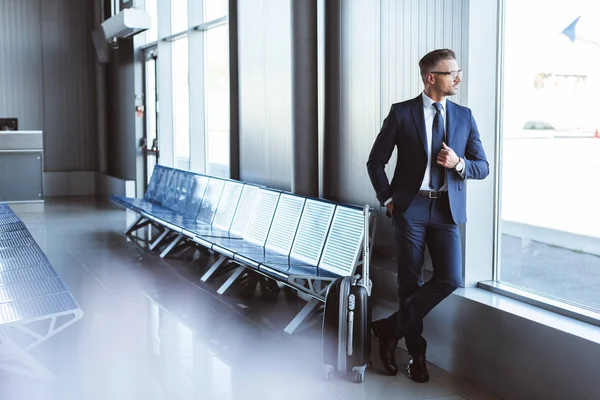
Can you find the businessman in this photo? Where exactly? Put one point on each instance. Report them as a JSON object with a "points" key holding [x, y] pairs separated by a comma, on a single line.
{"points": [[438, 150]]}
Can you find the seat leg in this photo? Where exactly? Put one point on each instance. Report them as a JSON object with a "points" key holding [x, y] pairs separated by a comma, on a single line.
{"points": [[231, 280], [159, 239], [268, 284], [16, 341], [185, 244], [171, 245], [300, 318], [208, 274], [14, 359], [137, 225]]}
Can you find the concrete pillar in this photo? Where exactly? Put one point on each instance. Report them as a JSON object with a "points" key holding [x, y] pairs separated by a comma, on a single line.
{"points": [[305, 134]]}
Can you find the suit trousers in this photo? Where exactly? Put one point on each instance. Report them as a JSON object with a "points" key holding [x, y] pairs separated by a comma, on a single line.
{"points": [[426, 222]]}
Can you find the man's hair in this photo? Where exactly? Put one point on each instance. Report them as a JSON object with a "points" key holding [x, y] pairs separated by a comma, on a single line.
{"points": [[431, 60]]}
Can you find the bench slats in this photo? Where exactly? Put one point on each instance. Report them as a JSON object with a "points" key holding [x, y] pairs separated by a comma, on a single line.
{"points": [[155, 181], [280, 238], [14, 234], [227, 205], [257, 228], [6, 219], [244, 210], [173, 188], [198, 189], [262, 216], [285, 223], [37, 307], [31, 289], [312, 231], [184, 194], [15, 226], [210, 201], [19, 252], [161, 191], [16, 275], [17, 242], [25, 261], [344, 242]]}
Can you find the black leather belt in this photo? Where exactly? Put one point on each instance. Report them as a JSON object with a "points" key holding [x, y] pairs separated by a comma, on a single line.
{"points": [[432, 194]]}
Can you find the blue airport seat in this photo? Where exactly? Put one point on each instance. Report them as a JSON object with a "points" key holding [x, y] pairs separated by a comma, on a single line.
{"points": [[258, 226], [35, 304], [281, 234], [308, 243], [226, 209], [303, 242]]}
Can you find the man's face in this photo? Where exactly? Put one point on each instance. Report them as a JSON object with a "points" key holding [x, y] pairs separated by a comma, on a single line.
{"points": [[444, 83]]}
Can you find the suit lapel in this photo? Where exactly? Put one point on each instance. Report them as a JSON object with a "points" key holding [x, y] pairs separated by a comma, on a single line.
{"points": [[419, 118], [451, 116]]}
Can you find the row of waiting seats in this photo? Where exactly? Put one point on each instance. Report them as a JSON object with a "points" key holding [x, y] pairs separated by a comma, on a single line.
{"points": [[303, 242], [30, 291]]}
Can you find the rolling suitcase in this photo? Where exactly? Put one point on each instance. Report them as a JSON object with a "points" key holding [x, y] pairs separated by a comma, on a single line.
{"points": [[347, 320]]}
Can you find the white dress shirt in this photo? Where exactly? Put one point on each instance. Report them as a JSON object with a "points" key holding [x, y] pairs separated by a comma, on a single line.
{"points": [[429, 113]]}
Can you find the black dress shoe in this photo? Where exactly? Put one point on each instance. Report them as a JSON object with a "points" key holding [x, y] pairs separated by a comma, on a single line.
{"points": [[387, 346], [417, 368]]}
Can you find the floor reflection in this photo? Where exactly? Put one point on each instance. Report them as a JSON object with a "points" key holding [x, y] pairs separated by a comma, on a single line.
{"points": [[152, 331]]}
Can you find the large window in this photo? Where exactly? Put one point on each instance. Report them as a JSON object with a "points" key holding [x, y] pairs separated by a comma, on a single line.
{"points": [[215, 9], [550, 158], [179, 15], [152, 9], [197, 87], [151, 115], [181, 103], [217, 101]]}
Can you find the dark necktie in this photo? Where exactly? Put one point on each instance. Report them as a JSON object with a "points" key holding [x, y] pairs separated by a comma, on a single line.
{"points": [[437, 171]]}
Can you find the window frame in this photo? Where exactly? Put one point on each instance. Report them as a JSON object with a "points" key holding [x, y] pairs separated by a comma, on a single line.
{"points": [[495, 284], [197, 93]]}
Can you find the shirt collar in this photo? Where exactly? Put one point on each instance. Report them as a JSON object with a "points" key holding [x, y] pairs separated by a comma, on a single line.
{"points": [[428, 102]]}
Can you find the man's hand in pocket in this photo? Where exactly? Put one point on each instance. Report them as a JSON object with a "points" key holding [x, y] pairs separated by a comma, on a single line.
{"points": [[390, 209]]}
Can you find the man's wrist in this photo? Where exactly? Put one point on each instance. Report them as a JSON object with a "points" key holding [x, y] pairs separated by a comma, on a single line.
{"points": [[460, 165]]}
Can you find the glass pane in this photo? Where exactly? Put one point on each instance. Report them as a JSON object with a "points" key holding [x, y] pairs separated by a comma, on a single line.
{"points": [[217, 101], [215, 9], [550, 167], [181, 114], [179, 15], [151, 122], [150, 101], [152, 9]]}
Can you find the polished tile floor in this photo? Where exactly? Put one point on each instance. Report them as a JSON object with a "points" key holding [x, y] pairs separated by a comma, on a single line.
{"points": [[151, 330]]}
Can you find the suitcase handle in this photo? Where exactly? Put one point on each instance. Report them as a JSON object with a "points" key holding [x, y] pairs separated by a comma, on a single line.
{"points": [[365, 281], [350, 332]]}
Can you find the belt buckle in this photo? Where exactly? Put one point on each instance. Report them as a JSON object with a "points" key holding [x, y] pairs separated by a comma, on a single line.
{"points": [[434, 194]]}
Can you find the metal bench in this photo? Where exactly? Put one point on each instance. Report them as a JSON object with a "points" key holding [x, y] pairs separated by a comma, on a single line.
{"points": [[185, 210], [34, 302], [327, 245], [302, 242], [253, 237]]}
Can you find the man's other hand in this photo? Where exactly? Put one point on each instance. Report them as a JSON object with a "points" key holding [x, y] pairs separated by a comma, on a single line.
{"points": [[447, 157], [390, 208]]}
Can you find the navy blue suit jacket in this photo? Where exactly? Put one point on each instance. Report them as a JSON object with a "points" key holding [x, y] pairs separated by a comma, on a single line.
{"points": [[404, 129]]}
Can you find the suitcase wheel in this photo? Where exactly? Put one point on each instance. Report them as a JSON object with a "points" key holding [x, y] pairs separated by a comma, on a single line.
{"points": [[360, 378]]}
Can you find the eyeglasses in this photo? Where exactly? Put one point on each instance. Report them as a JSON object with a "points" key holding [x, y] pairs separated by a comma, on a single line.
{"points": [[453, 74]]}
